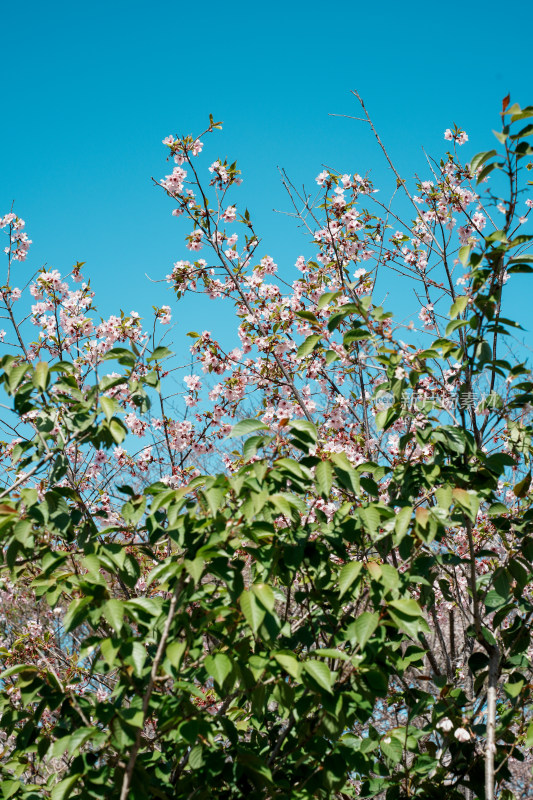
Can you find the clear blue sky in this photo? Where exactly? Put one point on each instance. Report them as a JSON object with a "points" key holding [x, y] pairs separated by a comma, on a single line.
{"points": [[91, 89]]}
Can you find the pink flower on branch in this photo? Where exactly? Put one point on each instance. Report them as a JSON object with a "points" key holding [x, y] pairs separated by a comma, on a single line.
{"points": [[193, 382], [230, 214]]}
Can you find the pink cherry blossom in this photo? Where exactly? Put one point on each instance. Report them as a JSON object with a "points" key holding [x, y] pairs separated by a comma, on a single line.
{"points": [[164, 316], [462, 735], [445, 725], [193, 382], [229, 214]]}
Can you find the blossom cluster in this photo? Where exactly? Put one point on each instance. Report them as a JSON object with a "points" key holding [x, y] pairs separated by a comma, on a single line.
{"points": [[19, 242]]}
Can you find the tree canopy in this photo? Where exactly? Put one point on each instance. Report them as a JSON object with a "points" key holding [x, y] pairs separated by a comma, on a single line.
{"points": [[310, 577]]}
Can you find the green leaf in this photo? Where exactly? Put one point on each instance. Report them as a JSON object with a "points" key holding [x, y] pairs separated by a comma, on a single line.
{"points": [[371, 518], [324, 478], [345, 472], [522, 488], [451, 439], [497, 509], [214, 497], [219, 666], [326, 298], [247, 426], [252, 444], [494, 600], [18, 669], [392, 748], [309, 345], [123, 356], [529, 736], [265, 595], [384, 419], [196, 758], [458, 307], [132, 715], [293, 467], [518, 113], [109, 406], [355, 335], [109, 381], [307, 315], [389, 576], [64, 788], [109, 650], [364, 626], [488, 169], [304, 426], [526, 258], [444, 496], [113, 612], [253, 612], [287, 504], [79, 737], [347, 576], [331, 652], [497, 236], [403, 520], [117, 430], [514, 687], [147, 605], [407, 615], [138, 657], [195, 568], [480, 159], [160, 353], [320, 673], [501, 137], [454, 325], [345, 311], [407, 606], [77, 612], [16, 374], [41, 376], [289, 663], [175, 652], [464, 254], [9, 788]]}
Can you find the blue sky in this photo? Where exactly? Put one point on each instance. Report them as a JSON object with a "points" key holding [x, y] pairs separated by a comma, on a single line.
{"points": [[91, 89]]}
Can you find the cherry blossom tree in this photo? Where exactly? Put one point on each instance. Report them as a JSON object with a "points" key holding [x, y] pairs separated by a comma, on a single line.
{"points": [[308, 572]]}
